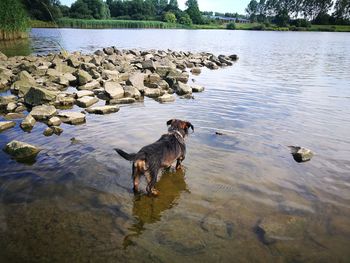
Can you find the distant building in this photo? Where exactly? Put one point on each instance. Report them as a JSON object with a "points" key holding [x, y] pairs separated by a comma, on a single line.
{"points": [[229, 19]]}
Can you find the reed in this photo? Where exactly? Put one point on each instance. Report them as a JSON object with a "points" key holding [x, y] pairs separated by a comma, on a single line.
{"points": [[13, 20], [99, 24]]}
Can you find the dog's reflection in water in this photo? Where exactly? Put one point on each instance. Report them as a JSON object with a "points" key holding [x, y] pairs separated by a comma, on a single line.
{"points": [[148, 210]]}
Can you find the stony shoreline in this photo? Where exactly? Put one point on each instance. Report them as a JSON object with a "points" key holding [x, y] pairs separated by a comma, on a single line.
{"points": [[38, 84]]}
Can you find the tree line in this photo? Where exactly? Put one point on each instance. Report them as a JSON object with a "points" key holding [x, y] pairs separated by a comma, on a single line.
{"points": [[163, 10], [301, 12]]}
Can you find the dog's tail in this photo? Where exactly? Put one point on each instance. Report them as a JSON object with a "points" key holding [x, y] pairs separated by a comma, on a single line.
{"points": [[127, 156]]}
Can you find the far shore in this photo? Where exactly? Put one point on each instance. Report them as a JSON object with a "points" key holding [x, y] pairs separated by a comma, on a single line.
{"points": [[134, 24]]}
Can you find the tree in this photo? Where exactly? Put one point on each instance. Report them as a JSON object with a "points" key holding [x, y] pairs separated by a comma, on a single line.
{"points": [[90, 9], [173, 4], [312, 9], [342, 9], [194, 12], [170, 17], [13, 17], [46, 10], [185, 19], [252, 10]]}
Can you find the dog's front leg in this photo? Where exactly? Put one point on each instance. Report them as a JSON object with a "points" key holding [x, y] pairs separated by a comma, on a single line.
{"points": [[136, 178]]}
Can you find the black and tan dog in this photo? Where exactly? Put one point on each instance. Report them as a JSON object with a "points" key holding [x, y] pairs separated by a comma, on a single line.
{"points": [[160, 154]]}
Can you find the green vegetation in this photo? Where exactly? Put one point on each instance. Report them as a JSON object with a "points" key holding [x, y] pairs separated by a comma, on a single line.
{"points": [[13, 20], [96, 24], [231, 26], [169, 17]]}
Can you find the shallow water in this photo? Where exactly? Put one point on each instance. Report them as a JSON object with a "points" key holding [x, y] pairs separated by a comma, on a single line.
{"points": [[288, 88]]}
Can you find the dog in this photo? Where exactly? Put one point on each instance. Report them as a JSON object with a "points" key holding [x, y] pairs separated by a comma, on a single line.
{"points": [[160, 154]]}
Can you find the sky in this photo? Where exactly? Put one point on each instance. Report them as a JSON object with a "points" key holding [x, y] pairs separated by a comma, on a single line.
{"points": [[222, 6]]}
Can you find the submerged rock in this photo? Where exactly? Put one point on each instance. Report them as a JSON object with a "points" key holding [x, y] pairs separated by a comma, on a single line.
{"points": [[4, 125], [301, 154], [166, 98], [21, 150], [48, 131], [197, 88], [122, 101]]}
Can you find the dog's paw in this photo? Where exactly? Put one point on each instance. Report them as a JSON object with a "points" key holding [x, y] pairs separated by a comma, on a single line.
{"points": [[155, 192]]}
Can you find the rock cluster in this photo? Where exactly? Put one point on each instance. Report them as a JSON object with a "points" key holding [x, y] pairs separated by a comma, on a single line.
{"points": [[39, 84]]}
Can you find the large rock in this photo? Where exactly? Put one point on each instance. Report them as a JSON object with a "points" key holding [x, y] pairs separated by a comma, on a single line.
{"points": [[86, 101], [83, 93], [197, 88], [4, 125], [21, 150], [24, 82], [83, 77], [28, 123], [54, 121], [94, 84], [114, 90], [38, 96], [137, 80], [71, 117], [110, 75], [148, 64], [102, 109], [130, 91], [152, 93], [43, 112], [166, 98], [122, 101], [182, 88]]}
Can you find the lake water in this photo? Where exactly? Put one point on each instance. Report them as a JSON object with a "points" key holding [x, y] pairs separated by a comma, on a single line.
{"points": [[75, 203]]}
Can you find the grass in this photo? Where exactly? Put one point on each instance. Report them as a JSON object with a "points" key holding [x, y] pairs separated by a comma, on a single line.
{"points": [[100, 24], [13, 20]]}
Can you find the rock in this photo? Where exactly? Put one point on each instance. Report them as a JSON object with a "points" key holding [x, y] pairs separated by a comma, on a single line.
{"points": [[71, 117], [4, 125], [11, 106], [163, 71], [86, 101], [166, 98], [301, 154], [38, 96], [102, 109], [211, 65], [43, 112], [148, 64], [57, 130], [28, 123], [5, 100], [182, 89], [3, 57], [48, 131], [137, 80], [24, 82], [152, 93], [14, 116], [130, 91], [114, 90], [73, 61], [153, 78], [65, 79], [21, 150], [64, 100], [83, 93], [197, 88], [94, 84], [196, 71], [110, 75], [122, 101], [234, 57], [83, 77], [99, 53], [54, 121], [108, 50]]}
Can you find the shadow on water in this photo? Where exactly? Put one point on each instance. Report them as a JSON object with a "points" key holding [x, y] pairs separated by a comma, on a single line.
{"points": [[148, 210]]}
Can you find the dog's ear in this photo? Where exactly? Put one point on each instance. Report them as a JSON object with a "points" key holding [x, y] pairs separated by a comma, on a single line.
{"points": [[169, 122], [189, 125]]}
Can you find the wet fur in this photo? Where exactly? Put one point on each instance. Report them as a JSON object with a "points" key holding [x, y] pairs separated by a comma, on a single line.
{"points": [[160, 154]]}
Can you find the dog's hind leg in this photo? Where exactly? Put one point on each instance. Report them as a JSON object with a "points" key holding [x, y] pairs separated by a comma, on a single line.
{"points": [[151, 177], [178, 162], [135, 177]]}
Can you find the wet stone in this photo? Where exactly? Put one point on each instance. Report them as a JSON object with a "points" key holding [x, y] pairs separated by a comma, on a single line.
{"points": [[4, 125], [102, 109], [21, 150], [71, 117]]}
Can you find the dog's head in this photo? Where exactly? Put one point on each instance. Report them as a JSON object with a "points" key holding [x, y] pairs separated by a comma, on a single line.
{"points": [[180, 126]]}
